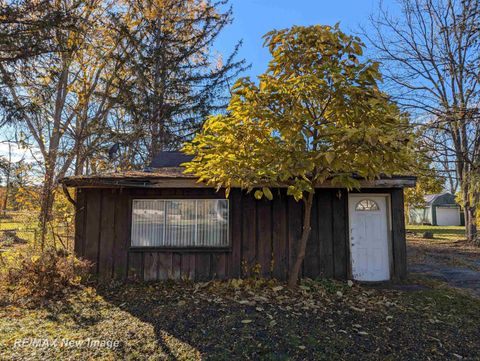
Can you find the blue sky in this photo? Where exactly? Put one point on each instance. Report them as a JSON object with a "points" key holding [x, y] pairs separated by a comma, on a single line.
{"points": [[254, 18]]}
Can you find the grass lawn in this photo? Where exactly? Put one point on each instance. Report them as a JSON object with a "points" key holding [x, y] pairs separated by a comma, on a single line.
{"points": [[23, 223], [17, 220], [242, 320], [11, 224], [439, 232]]}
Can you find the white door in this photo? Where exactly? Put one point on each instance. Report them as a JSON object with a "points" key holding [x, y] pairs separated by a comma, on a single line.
{"points": [[369, 237], [448, 216]]}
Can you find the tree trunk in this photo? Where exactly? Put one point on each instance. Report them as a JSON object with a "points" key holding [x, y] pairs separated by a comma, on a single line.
{"points": [[302, 243], [7, 192], [7, 184], [471, 226], [46, 204], [470, 212]]}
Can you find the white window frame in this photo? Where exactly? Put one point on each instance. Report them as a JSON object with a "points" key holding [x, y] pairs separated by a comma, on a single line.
{"points": [[223, 245], [373, 205]]}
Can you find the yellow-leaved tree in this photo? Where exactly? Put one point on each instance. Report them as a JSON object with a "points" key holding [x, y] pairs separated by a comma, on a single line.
{"points": [[315, 115]]}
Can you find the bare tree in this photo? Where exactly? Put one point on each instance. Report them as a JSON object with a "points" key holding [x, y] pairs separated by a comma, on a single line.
{"points": [[62, 98], [431, 57], [442, 157]]}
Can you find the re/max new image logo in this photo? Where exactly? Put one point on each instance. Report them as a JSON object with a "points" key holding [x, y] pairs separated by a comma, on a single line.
{"points": [[65, 343]]}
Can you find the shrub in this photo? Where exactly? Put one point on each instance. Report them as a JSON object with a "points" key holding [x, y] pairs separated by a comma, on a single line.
{"points": [[40, 275]]}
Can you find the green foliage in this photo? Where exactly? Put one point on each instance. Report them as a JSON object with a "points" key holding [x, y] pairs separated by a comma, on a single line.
{"points": [[426, 184], [317, 114], [28, 275]]}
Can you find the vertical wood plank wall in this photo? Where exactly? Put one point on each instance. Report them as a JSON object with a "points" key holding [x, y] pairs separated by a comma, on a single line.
{"points": [[263, 237]]}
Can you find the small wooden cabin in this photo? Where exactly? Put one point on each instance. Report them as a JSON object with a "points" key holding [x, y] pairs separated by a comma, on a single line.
{"points": [[161, 224]]}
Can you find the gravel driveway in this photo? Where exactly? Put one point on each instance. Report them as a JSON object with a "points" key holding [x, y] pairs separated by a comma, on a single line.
{"points": [[454, 262]]}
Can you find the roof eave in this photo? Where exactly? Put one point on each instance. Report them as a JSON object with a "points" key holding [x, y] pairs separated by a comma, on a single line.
{"points": [[183, 182]]}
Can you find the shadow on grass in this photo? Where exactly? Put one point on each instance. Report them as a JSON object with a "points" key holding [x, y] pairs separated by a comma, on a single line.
{"points": [[184, 325], [85, 316], [222, 329]]}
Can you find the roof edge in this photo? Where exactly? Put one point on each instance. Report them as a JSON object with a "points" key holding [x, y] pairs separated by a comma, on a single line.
{"points": [[192, 182]]}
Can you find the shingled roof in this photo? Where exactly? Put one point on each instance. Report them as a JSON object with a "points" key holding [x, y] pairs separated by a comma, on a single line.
{"points": [[173, 177], [169, 159], [440, 199], [165, 171], [165, 166]]}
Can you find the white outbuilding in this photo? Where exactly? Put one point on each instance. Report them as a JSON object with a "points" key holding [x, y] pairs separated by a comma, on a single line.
{"points": [[439, 210]]}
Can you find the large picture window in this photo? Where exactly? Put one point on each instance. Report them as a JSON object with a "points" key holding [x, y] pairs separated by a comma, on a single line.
{"points": [[180, 223]]}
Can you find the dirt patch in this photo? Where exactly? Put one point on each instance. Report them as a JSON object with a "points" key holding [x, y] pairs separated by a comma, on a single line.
{"points": [[447, 252], [455, 262]]}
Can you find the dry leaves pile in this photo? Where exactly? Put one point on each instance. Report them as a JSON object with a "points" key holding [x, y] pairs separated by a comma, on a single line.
{"points": [[319, 320]]}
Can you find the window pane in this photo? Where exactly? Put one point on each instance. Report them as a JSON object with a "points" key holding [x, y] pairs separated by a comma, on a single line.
{"points": [[212, 222], [180, 223], [180, 231], [148, 222], [367, 205]]}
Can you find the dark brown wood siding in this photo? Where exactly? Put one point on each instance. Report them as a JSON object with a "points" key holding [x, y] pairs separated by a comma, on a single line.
{"points": [[399, 245], [263, 236]]}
